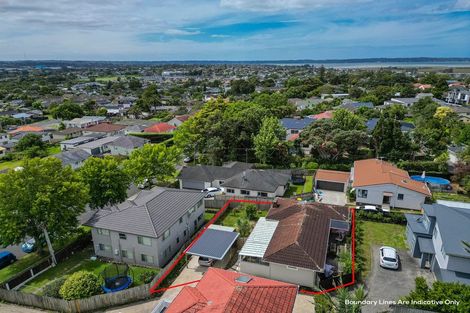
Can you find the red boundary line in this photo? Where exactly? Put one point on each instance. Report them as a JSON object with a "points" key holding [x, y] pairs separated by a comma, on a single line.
{"points": [[214, 218]]}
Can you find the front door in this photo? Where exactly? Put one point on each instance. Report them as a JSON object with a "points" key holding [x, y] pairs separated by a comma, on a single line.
{"points": [[386, 200]]}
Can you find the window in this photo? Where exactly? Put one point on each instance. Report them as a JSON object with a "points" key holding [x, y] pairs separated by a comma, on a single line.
{"points": [[104, 247], [362, 193], [181, 219], [292, 268], [245, 192], [177, 239], [122, 236], [103, 232], [221, 182], [126, 254], [191, 210], [146, 258], [146, 241], [401, 196], [199, 218], [166, 234], [262, 194], [229, 190]]}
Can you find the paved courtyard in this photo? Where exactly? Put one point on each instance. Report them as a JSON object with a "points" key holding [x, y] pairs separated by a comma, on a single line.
{"points": [[384, 284], [333, 197]]}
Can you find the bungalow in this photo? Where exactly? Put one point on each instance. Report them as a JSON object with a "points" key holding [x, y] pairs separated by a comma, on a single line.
{"points": [[404, 126], [324, 115], [295, 125], [98, 147], [75, 142], [178, 120], [437, 238], [406, 102], [258, 183], [160, 128], [221, 291], [124, 145], [67, 133], [454, 152], [463, 112], [104, 128], [149, 227], [381, 183], [292, 242], [204, 176], [354, 106], [85, 121], [75, 158]]}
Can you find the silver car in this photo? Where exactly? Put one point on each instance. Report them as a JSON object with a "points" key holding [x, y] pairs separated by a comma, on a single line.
{"points": [[389, 258], [203, 261]]}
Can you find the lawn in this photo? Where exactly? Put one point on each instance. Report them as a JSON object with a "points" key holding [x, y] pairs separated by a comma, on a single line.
{"points": [[230, 217], [53, 149], [298, 189], [450, 196], [78, 262], [10, 164], [308, 186], [381, 234]]}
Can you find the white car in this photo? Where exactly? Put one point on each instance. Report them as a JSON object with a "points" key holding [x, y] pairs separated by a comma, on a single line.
{"points": [[389, 258], [213, 191], [367, 208]]}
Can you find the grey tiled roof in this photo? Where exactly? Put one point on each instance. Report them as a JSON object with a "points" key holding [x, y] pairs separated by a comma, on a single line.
{"points": [[262, 180], [129, 142], [72, 156], [209, 173], [149, 213]]}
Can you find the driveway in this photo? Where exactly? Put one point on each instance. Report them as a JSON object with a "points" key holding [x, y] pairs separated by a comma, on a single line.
{"points": [[333, 197], [389, 285], [191, 272]]}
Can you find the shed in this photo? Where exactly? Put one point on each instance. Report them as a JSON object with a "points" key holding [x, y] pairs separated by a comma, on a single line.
{"points": [[332, 180], [214, 243]]}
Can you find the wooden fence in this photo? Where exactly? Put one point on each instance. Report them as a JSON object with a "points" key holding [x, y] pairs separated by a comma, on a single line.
{"points": [[220, 200]]}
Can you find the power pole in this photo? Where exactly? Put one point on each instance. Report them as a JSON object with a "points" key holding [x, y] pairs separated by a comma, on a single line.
{"points": [[49, 246]]}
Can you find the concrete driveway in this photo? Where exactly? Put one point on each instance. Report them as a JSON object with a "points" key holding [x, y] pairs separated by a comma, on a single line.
{"points": [[333, 197], [390, 285]]}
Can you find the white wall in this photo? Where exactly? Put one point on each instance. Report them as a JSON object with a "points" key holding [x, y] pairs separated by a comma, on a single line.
{"points": [[412, 200]]}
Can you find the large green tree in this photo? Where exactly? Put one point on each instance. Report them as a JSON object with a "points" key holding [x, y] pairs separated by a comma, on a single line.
{"points": [[31, 145], [67, 111], [389, 141], [270, 142], [42, 200], [106, 180], [152, 162]]}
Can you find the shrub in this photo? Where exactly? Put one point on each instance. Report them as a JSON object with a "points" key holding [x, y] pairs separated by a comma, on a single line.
{"points": [[52, 289], [420, 166], [251, 211], [80, 285], [147, 276], [391, 218]]}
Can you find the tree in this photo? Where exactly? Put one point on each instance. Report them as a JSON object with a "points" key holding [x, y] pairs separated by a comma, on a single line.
{"points": [[31, 145], [243, 227], [150, 98], [346, 120], [251, 211], [389, 140], [152, 162], [275, 103], [344, 302], [106, 180], [241, 87], [268, 140], [67, 111], [42, 199], [79, 285]]}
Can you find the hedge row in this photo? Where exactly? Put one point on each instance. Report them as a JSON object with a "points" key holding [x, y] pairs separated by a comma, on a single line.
{"points": [[420, 166], [390, 218]]}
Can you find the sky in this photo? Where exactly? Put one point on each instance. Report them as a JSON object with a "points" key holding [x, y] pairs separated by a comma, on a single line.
{"points": [[154, 30]]}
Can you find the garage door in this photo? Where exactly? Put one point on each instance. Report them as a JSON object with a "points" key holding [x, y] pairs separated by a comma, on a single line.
{"points": [[192, 184], [328, 185]]}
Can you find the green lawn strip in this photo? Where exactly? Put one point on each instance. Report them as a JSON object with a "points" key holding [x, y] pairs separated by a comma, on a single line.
{"points": [[10, 164], [450, 196], [78, 262], [53, 150], [381, 234], [230, 218], [308, 186], [20, 265]]}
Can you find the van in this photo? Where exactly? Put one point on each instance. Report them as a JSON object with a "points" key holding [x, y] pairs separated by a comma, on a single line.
{"points": [[6, 258]]}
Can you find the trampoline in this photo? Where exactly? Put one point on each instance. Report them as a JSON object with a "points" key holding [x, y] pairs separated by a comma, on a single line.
{"points": [[116, 277], [433, 180]]}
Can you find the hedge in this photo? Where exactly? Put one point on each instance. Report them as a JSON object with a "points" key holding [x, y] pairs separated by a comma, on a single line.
{"points": [[420, 166], [390, 218]]}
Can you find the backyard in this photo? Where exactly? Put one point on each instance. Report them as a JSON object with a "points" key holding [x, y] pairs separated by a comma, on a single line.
{"points": [[230, 217], [4, 165], [79, 262], [381, 234], [450, 196], [299, 189]]}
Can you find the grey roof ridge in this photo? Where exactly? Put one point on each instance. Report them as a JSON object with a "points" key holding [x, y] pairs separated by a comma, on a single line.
{"points": [[150, 219]]}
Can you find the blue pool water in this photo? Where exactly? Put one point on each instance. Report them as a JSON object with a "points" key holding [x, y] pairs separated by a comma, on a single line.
{"points": [[431, 179]]}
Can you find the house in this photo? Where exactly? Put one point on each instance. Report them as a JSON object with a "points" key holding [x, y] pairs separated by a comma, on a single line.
{"points": [[436, 237], [104, 128], [74, 142], [221, 291], [295, 125], [422, 86], [85, 121], [332, 180], [454, 152], [324, 115], [27, 129], [99, 146], [75, 158], [463, 112], [178, 120], [406, 102], [160, 128], [149, 227], [203, 176], [381, 183], [258, 183], [404, 126], [333, 95], [354, 106], [292, 242], [124, 145], [458, 95], [67, 133]]}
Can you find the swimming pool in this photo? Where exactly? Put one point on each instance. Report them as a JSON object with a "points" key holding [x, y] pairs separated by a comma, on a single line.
{"points": [[433, 180]]}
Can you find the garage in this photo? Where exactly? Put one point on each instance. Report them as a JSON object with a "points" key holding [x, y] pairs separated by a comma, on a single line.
{"points": [[331, 180], [192, 184]]}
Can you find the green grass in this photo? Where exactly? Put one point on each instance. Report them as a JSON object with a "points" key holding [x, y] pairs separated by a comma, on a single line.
{"points": [[78, 262], [230, 217], [53, 150], [450, 196], [29, 259], [10, 164], [381, 234], [308, 186]]}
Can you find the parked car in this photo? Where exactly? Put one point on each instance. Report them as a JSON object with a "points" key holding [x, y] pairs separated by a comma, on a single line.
{"points": [[389, 258], [203, 261], [370, 208], [29, 246], [144, 184], [6, 258], [213, 191], [187, 159]]}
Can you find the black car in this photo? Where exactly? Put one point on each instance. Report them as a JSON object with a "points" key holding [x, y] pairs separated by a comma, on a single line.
{"points": [[6, 258]]}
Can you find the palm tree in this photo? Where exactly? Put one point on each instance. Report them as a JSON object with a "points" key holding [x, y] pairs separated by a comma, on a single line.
{"points": [[326, 303]]}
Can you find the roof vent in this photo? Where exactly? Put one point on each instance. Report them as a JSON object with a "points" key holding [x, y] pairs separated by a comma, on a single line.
{"points": [[244, 175], [243, 279]]}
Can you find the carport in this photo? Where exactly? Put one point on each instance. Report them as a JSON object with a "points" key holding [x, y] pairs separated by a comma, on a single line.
{"points": [[215, 243], [331, 180]]}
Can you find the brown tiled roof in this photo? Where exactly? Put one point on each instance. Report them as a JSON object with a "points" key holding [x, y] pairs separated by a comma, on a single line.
{"points": [[377, 172], [333, 176], [301, 237], [105, 128]]}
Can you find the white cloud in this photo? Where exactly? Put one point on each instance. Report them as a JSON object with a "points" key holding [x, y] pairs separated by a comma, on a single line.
{"points": [[181, 32], [279, 5], [462, 4]]}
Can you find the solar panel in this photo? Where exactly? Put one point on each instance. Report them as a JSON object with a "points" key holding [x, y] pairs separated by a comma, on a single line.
{"points": [[243, 279]]}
